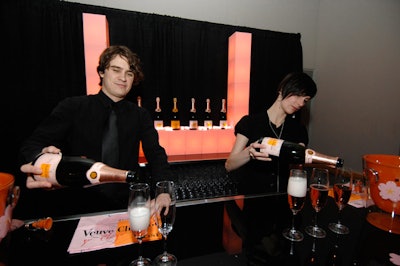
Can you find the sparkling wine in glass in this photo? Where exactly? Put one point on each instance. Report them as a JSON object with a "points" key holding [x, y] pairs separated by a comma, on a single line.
{"points": [[342, 188], [319, 188], [165, 221], [297, 191], [139, 217]]}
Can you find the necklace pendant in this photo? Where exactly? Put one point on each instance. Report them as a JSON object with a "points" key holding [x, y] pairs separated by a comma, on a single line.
{"points": [[273, 130]]}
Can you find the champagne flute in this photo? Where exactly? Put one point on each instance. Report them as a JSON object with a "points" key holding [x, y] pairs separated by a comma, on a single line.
{"points": [[297, 191], [165, 221], [139, 217], [342, 188], [319, 187]]}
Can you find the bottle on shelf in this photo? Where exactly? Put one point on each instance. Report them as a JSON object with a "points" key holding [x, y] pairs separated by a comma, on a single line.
{"points": [[158, 115], [222, 115], [139, 101], [175, 122], [208, 123], [296, 153], [75, 171], [193, 121]]}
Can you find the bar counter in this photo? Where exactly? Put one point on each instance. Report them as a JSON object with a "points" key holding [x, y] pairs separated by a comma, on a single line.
{"points": [[207, 231], [197, 238]]}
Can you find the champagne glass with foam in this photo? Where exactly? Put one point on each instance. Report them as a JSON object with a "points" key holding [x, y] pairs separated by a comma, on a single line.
{"points": [[297, 191], [139, 217]]}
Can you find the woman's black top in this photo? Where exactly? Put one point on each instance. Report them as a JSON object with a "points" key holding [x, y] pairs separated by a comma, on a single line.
{"points": [[259, 176]]}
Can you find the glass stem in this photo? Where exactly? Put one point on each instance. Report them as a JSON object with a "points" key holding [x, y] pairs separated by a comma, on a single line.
{"points": [[339, 216], [315, 220], [291, 252], [293, 227], [165, 244], [140, 248], [314, 245]]}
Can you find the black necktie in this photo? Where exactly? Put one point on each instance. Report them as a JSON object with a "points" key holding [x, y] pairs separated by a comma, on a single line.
{"points": [[110, 150]]}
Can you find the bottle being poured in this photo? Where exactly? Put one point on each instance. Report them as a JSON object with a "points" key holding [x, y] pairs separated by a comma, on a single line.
{"points": [[296, 153], [77, 171]]}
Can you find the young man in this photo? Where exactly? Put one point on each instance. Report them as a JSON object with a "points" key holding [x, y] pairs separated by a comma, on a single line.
{"points": [[77, 124]]}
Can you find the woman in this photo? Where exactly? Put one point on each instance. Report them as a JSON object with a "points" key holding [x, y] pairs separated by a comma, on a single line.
{"points": [[279, 121], [257, 172]]}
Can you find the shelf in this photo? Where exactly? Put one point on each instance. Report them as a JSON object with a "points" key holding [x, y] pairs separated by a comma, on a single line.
{"points": [[203, 144]]}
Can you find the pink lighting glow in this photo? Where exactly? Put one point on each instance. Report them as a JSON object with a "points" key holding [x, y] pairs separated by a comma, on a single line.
{"points": [[95, 32], [239, 55]]}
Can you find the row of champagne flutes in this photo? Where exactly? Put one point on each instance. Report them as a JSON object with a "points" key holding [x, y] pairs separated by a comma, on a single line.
{"points": [[139, 217], [319, 189]]}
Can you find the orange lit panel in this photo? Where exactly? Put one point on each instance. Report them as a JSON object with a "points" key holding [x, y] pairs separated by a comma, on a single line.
{"points": [[95, 32], [239, 59], [194, 141], [164, 138], [210, 141], [176, 142], [226, 139]]}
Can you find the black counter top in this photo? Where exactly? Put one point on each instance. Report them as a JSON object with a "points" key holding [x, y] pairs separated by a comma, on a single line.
{"points": [[199, 230], [198, 233]]}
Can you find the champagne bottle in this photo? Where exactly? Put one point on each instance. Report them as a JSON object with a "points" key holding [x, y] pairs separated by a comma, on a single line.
{"points": [[296, 153], [139, 101], [222, 115], [77, 171], [193, 122], [158, 116], [208, 123], [175, 122]]}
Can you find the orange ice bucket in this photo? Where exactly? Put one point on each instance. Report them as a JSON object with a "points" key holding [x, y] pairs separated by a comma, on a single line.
{"points": [[8, 199], [383, 173]]}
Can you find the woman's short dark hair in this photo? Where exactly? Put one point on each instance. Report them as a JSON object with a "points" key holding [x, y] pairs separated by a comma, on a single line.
{"points": [[299, 84], [133, 60]]}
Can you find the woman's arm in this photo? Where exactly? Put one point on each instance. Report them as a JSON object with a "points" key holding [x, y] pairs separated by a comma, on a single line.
{"points": [[241, 154]]}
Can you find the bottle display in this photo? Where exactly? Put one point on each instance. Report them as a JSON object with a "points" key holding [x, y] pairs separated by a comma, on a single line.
{"points": [[296, 153], [77, 171], [208, 123], [175, 122], [193, 121], [222, 115], [158, 115]]}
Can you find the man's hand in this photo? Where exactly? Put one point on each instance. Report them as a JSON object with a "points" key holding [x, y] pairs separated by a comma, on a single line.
{"points": [[31, 170], [394, 258], [163, 200]]}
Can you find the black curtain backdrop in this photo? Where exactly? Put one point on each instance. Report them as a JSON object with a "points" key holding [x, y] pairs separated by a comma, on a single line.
{"points": [[44, 60], [43, 52]]}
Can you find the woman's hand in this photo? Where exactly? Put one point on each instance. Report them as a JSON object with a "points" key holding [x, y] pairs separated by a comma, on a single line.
{"points": [[258, 155]]}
